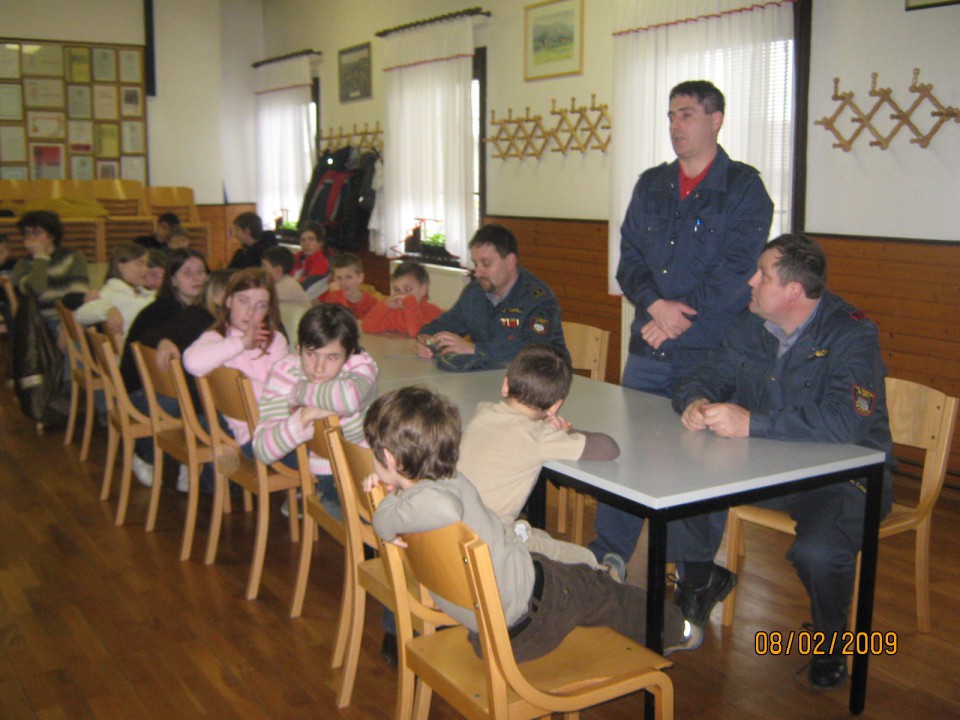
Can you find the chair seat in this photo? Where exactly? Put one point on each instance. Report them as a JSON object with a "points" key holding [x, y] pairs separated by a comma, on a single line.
{"points": [[901, 517], [447, 663], [173, 442], [330, 525]]}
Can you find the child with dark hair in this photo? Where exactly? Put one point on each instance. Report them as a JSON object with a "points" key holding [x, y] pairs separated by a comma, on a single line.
{"points": [[407, 309], [504, 473], [331, 375], [348, 276], [310, 266], [156, 264], [415, 434], [277, 262], [247, 229]]}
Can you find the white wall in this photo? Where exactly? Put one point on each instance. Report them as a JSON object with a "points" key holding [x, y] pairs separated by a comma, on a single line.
{"points": [[905, 190], [575, 186]]}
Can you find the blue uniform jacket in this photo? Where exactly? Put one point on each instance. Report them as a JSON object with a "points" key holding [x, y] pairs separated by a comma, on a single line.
{"points": [[828, 387], [528, 314], [701, 251]]}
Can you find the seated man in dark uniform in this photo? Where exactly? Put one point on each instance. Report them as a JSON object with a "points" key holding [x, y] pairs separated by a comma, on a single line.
{"points": [[802, 365], [504, 309]]}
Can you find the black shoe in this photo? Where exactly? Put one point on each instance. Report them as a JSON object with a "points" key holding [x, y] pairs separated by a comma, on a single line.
{"points": [[388, 649], [825, 672], [697, 604]]}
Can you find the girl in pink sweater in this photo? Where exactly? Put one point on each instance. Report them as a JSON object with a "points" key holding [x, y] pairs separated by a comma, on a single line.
{"points": [[246, 336]]}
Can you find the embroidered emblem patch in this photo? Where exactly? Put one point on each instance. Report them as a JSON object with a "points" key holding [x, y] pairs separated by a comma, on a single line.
{"points": [[820, 353], [863, 400], [509, 322], [858, 315], [539, 324], [539, 292]]}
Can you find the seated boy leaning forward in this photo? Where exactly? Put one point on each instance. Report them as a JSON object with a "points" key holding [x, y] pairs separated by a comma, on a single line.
{"points": [[407, 309], [415, 436], [506, 444], [348, 275], [277, 262], [332, 375]]}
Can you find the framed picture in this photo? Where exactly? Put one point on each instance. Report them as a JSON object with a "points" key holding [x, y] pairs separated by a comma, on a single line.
{"points": [[78, 64], [81, 167], [130, 101], [79, 103], [130, 66], [11, 102], [9, 60], [108, 170], [13, 146], [923, 4], [44, 125], [46, 161], [105, 102], [42, 60], [553, 39], [14, 172], [104, 65], [355, 73], [43, 93]]}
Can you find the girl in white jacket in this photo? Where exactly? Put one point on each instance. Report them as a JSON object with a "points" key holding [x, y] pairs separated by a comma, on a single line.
{"points": [[123, 296]]}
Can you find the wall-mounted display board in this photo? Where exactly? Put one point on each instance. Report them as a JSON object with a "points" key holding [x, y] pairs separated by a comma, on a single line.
{"points": [[72, 111]]}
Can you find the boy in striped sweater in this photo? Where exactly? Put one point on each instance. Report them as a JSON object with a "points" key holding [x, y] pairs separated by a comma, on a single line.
{"points": [[331, 375]]}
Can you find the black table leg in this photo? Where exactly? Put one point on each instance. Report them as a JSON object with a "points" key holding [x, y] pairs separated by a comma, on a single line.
{"points": [[868, 578], [656, 591]]}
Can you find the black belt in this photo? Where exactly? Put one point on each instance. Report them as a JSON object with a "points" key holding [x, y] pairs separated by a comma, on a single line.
{"points": [[536, 595]]}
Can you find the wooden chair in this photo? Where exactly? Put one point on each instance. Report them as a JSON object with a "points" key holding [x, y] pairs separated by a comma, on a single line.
{"points": [[120, 197], [85, 375], [351, 465], [125, 422], [591, 665], [588, 348], [920, 417], [229, 392], [180, 437]]}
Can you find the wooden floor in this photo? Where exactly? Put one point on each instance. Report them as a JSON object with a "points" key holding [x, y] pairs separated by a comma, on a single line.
{"points": [[104, 622]]}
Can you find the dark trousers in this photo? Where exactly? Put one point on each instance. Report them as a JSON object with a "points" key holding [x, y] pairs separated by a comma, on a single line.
{"points": [[577, 595], [829, 534]]}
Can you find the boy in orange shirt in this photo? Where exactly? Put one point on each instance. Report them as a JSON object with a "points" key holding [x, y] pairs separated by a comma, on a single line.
{"points": [[407, 309], [348, 275]]}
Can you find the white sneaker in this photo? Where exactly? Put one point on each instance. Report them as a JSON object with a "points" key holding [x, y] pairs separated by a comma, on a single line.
{"points": [[143, 471], [183, 479]]}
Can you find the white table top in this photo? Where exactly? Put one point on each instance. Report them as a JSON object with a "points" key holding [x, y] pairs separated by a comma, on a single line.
{"points": [[397, 357], [661, 464]]}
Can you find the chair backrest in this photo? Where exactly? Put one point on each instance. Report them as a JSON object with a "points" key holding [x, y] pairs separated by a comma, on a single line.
{"points": [[351, 465], [119, 197], [436, 559], [97, 273], [588, 347], [923, 418], [155, 382], [68, 327], [188, 410], [114, 388], [219, 392]]}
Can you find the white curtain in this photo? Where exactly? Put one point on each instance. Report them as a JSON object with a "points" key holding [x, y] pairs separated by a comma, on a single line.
{"points": [[285, 149], [428, 139], [745, 49]]}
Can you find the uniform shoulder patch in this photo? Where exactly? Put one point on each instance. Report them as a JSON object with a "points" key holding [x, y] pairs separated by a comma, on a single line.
{"points": [[858, 315], [539, 292], [863, 400], [540, 324]]}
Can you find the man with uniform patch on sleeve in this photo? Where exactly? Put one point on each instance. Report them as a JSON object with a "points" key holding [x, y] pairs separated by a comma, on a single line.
{"points": [[802, 365], [504, 309]]}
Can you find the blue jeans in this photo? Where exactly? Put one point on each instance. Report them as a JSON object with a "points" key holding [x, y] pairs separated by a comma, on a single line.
{"points": [[326, 487], [617, 531]]}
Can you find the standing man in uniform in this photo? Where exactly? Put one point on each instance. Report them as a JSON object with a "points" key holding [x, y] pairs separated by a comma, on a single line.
{"points": [[504, 309], [689, 243]]}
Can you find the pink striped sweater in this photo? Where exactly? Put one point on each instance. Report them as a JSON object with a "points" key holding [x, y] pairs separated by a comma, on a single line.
{"points": [[280, 431]]}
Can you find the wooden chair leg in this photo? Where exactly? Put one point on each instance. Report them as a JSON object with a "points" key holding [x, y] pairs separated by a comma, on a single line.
{"points": [[292, 516], [562, 499], [220, 488], [155, 489], [303, 567], [72, 414], [193, 498], [923, 576], [126, 475], [89, 417], [421, 703], [348, 621], [113, 442], [408, 693], [352, 640], [260, 543], [580, 502], [734, 543]]}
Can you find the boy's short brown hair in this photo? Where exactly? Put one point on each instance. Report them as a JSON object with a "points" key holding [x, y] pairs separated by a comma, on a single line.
{"points": [[539, 376], [345, 260], [420, 428], [415, 269]]}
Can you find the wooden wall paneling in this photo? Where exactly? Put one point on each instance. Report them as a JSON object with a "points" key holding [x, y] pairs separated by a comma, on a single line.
{"points": [[125, 228], [909, 289], [571, 257], [84, 234], [220, 219]]}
